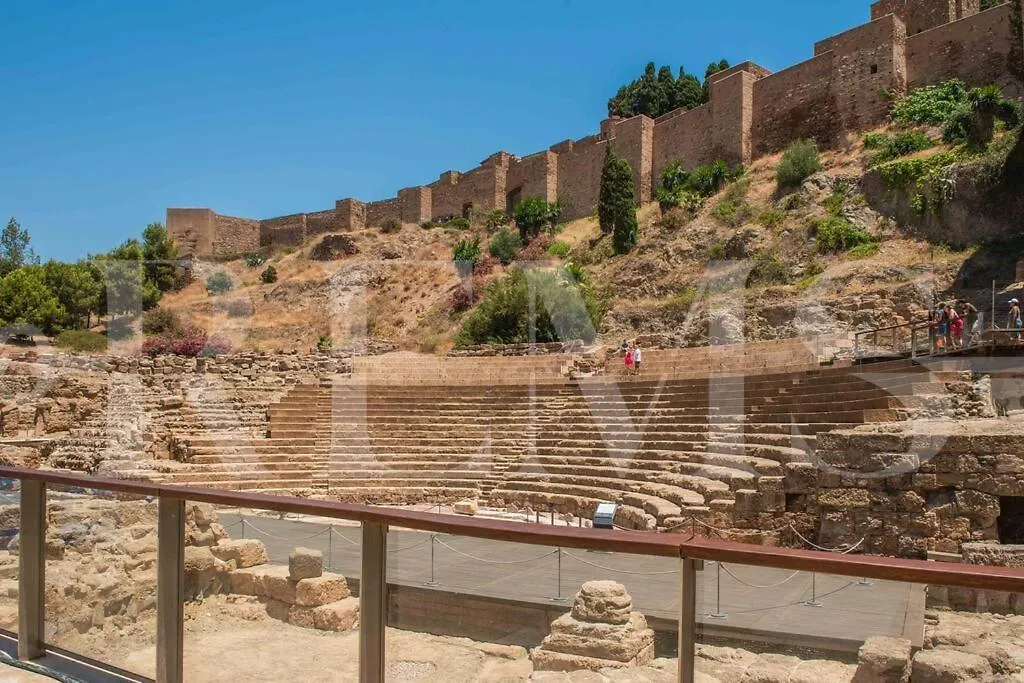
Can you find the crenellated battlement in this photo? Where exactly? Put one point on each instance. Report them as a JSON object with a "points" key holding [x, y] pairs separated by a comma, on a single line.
{"points": [[751, 112]]}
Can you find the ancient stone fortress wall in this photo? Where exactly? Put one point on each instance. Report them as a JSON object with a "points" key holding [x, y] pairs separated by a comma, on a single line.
{"points": [[841, 89]]}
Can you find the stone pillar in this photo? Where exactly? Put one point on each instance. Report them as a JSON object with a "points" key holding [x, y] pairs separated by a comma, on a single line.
{"points": [[415, 204], [351, 214]]}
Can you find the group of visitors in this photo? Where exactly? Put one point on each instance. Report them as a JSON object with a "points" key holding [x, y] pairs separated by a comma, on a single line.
{"points": [[633, 356], [947, 323]]}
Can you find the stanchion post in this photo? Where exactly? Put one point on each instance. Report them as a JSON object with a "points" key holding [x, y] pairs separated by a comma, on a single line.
{"points": [[32, 570], [433, 540], [373, 602], [330, 545], [718, 593], [813, 602], [558, 597], [243, 527]]}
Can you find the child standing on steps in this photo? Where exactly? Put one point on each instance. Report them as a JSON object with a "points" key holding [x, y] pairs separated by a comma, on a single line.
{"points": [[629, 361]]}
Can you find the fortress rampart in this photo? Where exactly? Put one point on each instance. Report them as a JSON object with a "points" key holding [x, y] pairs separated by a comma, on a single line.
{"points": [[751, 112]]}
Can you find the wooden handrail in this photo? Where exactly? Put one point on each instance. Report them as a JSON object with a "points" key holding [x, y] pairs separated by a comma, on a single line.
{"points": [[981, 577], [633, 542]]}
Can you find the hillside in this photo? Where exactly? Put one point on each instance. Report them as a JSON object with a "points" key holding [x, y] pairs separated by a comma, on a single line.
{"points": [[768, 276]]}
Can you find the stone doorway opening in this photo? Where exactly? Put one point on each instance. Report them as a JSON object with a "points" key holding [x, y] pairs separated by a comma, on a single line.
{"points": [[512, 200], [1011, 520]]}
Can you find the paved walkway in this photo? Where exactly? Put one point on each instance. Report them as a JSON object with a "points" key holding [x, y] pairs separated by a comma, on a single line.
{"points": [[753, 599]]}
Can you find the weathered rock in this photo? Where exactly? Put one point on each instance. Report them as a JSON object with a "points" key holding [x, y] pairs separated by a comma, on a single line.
{"points": [[304, 563], [204, 573], [883, 660], [342, 615], [465, 507], [321, 590], [949, 666], [246, 552], [600, 632]]}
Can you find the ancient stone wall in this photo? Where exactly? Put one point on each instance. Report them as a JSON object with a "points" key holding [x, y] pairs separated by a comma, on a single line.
{"points": [[532, 176], [323, 222], [751, 112], [287, 231], [975, 50], [579, 174], [379, 213], [235, 235]]}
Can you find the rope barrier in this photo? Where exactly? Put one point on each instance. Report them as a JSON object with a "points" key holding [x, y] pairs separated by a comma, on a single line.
{"points": [[409, 547], [751, 585], [620, 571], [344, 537], [480, 559], [286, 538], [840, 550]]}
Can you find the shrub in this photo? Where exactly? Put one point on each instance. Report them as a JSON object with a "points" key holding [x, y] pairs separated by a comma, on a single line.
{"points": [[575, 274], [506, 315], [255, 260], [534, 214], [324, 343], [465, 254], [505, 245], [189, 342], [218, 283], [464, 297], [706, 180], [390, 225], [81, 340], [771, 218], [932, 104], [459, 223], [536, 250], [239, 308], [156, 346], [677, 307], [835, 234], [269, 276], [717, 250], [733, 213], [865, 250], [159, 321], [559, 249], [800, 161], [893, 146], [429, 225], [769, 270], [497, 219]]}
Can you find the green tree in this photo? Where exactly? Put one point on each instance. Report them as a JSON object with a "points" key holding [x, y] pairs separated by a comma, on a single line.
{"points": [[616, 210], [126, 289], [713, 68], [26, 300], [15, 249], [77, 287], [656, 92], [160, 253]]}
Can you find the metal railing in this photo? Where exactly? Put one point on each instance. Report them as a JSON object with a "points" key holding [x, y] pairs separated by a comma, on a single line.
{"points": [[917, 339], [692, 550]]}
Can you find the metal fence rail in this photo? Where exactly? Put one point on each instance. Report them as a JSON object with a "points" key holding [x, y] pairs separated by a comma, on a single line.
{"points": [[691, 549]]}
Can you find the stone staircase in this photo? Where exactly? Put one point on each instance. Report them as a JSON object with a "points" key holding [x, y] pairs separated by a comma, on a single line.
{"points": [[663, 448]]}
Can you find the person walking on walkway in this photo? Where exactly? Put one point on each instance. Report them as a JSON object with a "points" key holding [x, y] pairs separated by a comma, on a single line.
{"points": [[970, 315], [956, 327], [637, 357], [1013, 321]]}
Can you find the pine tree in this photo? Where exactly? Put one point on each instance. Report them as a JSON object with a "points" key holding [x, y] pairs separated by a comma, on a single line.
{"points": [[616, 210], [15, 251]]}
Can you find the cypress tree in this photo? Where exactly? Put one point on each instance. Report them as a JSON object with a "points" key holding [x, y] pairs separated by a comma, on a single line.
{"points": [[616, 211]]}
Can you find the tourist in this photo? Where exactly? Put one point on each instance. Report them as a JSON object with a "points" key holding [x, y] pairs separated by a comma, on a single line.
{"points": [[629, 361], [971, 321], [1013, 321], [637, 357], [933, 330], [624, 346], [942, 325], [956, 327]]}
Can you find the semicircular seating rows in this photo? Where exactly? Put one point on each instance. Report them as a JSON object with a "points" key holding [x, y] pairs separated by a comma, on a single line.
{"points": [[677, 441]]}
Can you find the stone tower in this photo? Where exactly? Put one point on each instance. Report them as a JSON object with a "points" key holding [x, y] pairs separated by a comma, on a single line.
{"points": [[921, 15]]}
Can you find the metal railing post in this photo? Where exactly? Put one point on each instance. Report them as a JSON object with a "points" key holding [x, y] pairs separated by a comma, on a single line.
{"points": [[688, 619], [170, 590], [32, 570], [373, 602]]}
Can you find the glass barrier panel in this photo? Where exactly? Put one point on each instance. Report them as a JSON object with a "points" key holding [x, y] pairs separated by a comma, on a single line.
{"points": [[100, 590], [10, 522], [463, 608], [772, 624], [271, 597]]}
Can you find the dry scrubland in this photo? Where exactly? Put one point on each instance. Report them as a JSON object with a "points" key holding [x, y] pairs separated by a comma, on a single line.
{"points": [[399, 286]]}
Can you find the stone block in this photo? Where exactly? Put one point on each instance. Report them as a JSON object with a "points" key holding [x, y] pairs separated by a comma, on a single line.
{"points": [[948, 666], [603, 602], [465, 507], [300, 616], [304, 563], [277, 609], [342, 615], [883, 660], [321, 590], [246, 552]]}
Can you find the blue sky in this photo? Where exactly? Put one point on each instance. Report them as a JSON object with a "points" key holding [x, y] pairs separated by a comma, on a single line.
{"points": [[113, 111]]}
